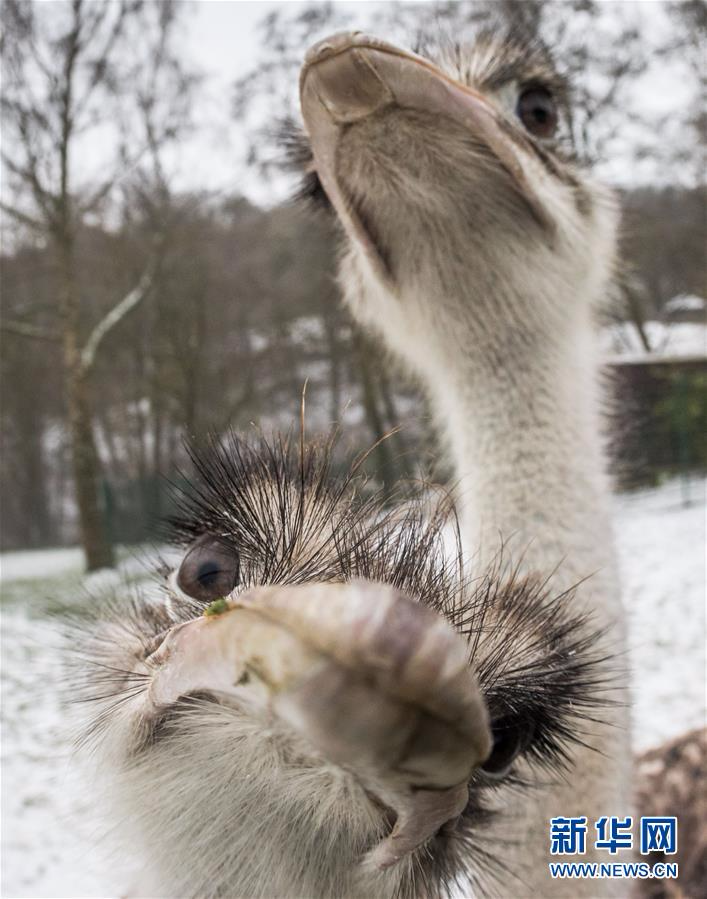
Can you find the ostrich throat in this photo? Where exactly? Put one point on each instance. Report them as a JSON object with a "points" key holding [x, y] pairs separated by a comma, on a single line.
{"points": [[516, 399]]}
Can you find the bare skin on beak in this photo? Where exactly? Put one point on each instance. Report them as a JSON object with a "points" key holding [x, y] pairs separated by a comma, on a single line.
{"points": [[351, 76], [376, 682]]}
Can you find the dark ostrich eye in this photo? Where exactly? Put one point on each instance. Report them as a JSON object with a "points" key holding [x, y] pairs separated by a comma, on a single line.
{"points": [[210, 569], [509, 740], [537, 110]]}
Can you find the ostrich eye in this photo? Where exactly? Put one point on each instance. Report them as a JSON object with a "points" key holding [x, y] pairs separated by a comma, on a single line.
{"points": [[537, 110], [209, 570], [509, 740]]}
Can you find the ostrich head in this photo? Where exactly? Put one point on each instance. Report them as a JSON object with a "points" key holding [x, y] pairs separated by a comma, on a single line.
{"points": [[317, 702], [468, 223], [478, 248]]}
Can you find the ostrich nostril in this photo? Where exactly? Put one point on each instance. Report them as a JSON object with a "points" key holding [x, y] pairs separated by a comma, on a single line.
{"points": [[335, 43], [319, 51]]}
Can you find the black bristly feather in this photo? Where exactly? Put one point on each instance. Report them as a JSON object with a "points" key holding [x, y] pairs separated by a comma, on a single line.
{"points": [[291, 519], [298, 158]]}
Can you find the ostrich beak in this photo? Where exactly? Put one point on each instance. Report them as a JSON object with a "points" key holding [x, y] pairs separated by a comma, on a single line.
{"points": [[375, 682], [351, 76]]}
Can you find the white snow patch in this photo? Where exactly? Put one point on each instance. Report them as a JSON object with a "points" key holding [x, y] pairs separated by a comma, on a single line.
{"points": [[676, 339], [685, 302], [49, 847], [40, 563], [661, 543]]}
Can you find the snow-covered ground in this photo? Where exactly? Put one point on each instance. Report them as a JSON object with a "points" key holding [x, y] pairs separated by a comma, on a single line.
{"points": [[661, 541], [51, 844]]}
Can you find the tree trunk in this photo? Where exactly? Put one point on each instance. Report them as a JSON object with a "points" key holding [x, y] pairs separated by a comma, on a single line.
{"points": [[85, 461], [384, 456], [402, 457], [334, 360], [36, 494], [636, 314], [154, 506], [86, 468]]}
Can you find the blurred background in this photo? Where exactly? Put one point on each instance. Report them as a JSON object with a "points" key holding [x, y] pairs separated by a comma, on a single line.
{"points": [[159, 282]]}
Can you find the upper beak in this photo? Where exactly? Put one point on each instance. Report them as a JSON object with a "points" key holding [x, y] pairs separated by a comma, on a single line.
{"points": [[351, 76]]}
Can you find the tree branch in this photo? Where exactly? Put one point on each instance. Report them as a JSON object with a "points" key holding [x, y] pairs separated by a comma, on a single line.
{"points": [[98, 76], [25, 329], [630, 289], [132, 299], [29, 176], [94, 199], [22, 217]]}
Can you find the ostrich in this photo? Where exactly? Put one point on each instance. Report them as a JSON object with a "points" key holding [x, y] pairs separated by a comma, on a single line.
{"points": [[319, 701], [479, 250]]}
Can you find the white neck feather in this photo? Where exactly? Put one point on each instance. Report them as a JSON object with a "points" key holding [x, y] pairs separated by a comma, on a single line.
{"points": [[524, 439]]}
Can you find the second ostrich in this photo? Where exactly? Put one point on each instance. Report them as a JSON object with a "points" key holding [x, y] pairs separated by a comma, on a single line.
{"points": [[479, 251], [318, 702]]}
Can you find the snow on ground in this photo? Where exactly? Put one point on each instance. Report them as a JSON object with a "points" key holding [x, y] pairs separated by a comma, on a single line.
{"points": [[39, 563], [51, 835], [661, 542], [48, 848]]}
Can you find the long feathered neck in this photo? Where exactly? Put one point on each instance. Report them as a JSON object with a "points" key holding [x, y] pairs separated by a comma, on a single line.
{"points": [[524, 437], [521, 417]]}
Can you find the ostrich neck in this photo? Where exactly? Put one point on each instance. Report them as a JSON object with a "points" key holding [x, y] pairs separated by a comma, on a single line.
{"points": [[524, 433]]}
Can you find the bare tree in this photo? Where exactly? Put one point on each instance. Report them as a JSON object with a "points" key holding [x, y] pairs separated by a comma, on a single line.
{"points": [[74, 72]]}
